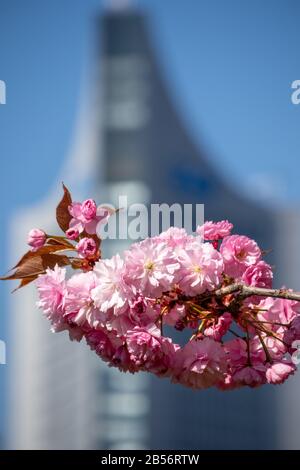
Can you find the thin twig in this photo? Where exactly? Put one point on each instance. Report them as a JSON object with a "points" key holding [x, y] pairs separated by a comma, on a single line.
{"points": [[247, 291]]}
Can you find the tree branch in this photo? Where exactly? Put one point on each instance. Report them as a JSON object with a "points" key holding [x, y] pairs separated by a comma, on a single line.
{"points": [[247, 291]]}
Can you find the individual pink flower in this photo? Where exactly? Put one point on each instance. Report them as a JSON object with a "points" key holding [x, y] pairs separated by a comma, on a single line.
{"points": [[122, 360], [201, 268], [250, 375], [86, 216], [72, 233], [246, 367], [275, 346], [86, 247], [218, 329], [138, 305], [110, 292], [143, 345], [52, 293], [89, 209], [201, 364], [237, 353], [279, 371], [292, 333], [78, 300], [278, 311], [175, 237], [36, 238], [104, 344], [238, 253], [150, 351], [51, 288], [142, 311], [214, 230], [120, 323], [150, 267], [258, 275]]}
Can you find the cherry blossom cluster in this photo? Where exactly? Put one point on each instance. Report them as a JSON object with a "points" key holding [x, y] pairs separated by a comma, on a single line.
{"points": [[211, 286]]}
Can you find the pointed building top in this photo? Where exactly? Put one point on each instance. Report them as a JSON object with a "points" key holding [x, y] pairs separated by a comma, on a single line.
{"points": [[119, 5]]}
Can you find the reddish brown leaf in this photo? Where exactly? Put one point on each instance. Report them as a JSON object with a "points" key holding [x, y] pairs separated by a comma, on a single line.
{"points": [[24, 282], [41, 251], [33, 266], [63, 216], [59, 241], [53, 241], [29, 267], [50, 260]]}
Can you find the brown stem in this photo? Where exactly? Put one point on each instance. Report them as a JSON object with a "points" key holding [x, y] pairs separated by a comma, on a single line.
{"points": [[247, 291], [267, 353]]}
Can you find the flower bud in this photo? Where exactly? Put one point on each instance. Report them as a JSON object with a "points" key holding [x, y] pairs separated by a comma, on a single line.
{"points": [[86, 247], [89, 209], [36, 238], [72, 233]]}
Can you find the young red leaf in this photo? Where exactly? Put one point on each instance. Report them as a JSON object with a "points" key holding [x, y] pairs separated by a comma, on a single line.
{"points": [[54, 240], [35, 265], [24, 282], [51, 259], [41, 251], [63, 216], [30, 266]]}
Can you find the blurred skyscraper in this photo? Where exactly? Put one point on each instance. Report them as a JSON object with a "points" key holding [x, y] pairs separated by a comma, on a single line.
{"points": [[136, 144]]}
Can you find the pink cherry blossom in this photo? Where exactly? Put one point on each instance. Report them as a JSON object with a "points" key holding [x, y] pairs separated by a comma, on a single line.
{"points": [[52, 300], [111, 289], [150, 351], [251, 375], [292, 333], [275, 345], [142, 311], [214, 230], [218, 329], [103, 344], [259, 275], [123, 361], [201, 364], [86, 216], [78, 300], [239, 252], [201, 267], [72, 233], [51, 289], [175, 237], [121, 323], [86, 247], [278, 311], [36, 238], [88, 209], [150, 267], [279, 371]]}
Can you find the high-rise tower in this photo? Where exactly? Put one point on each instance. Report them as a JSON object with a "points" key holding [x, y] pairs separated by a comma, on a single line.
{"points": [[148, 151]]}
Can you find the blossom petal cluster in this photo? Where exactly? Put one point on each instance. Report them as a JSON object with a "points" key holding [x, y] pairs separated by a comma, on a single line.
{"points": [[123, 305]]}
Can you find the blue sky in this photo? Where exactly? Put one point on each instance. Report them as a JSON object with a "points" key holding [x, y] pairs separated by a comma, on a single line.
{"points": [[229, 65]]}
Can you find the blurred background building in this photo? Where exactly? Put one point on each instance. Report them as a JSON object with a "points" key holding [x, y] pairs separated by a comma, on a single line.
{"points": [[132, 139]]}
